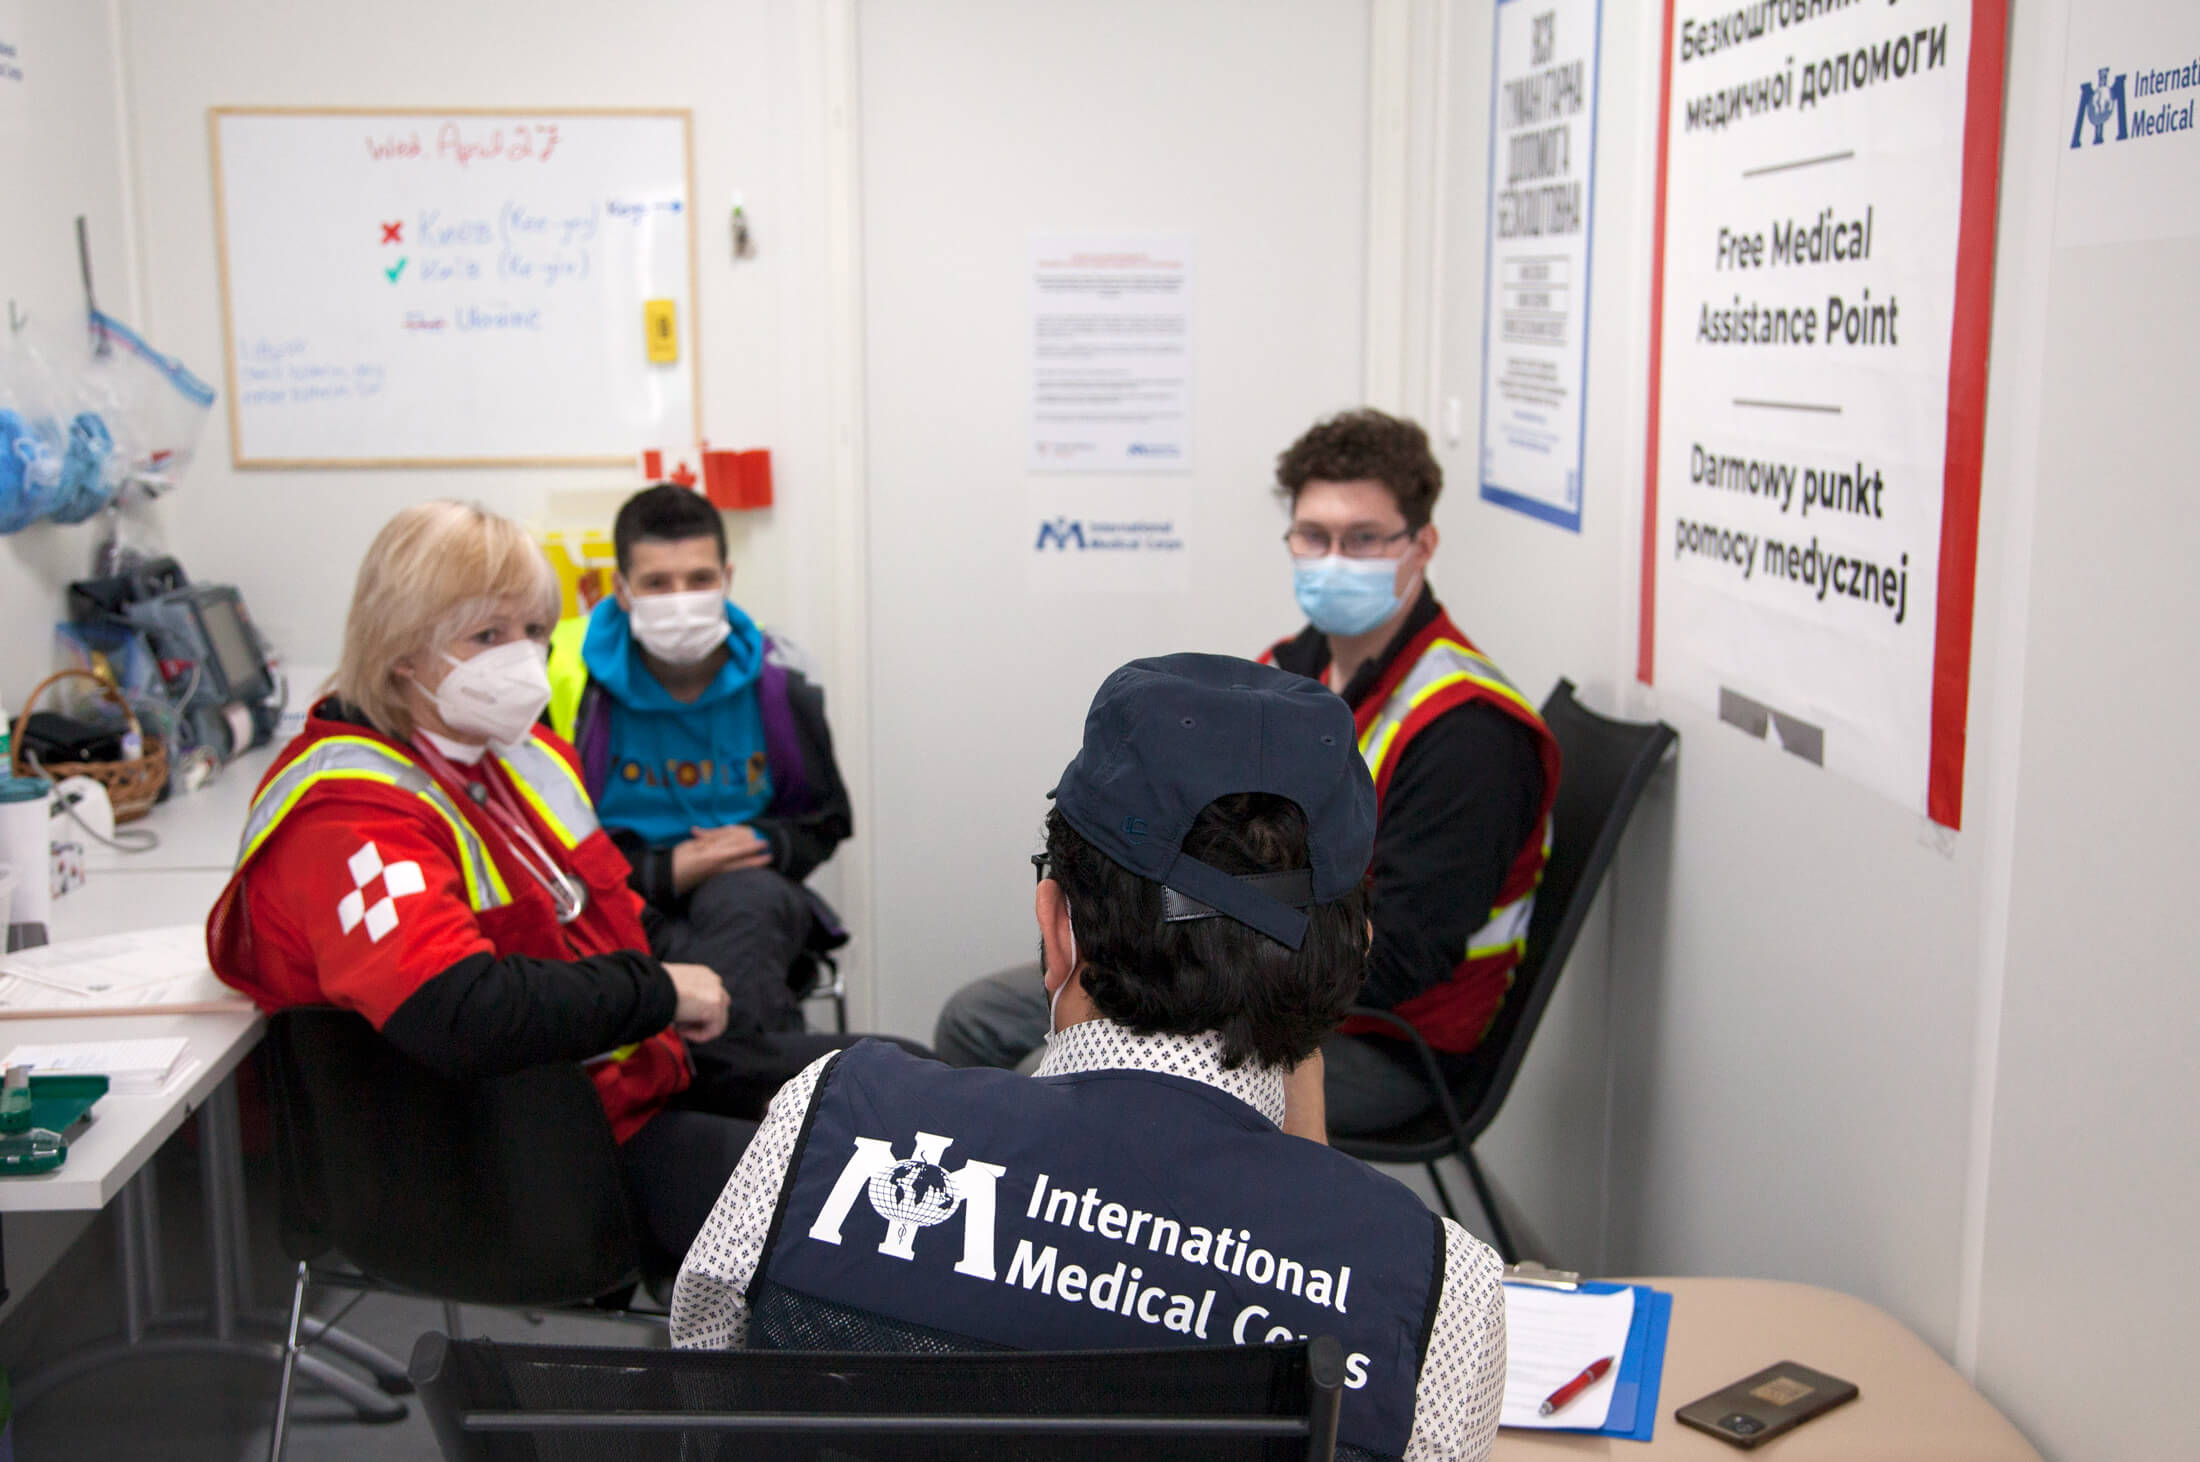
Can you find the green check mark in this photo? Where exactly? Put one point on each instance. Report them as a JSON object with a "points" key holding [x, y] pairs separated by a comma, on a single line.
{"points": [[394, 270]]}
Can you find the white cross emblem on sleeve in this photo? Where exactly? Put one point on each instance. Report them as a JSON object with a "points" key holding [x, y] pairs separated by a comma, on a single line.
{"points": [[398, 880]]}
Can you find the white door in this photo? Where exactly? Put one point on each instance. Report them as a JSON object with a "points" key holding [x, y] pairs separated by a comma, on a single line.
{"points": [[1237, 130]]}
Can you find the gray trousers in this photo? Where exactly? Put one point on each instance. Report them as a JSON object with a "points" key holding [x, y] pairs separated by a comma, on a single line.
{"points": [[1368, 1083], [748, 925]]}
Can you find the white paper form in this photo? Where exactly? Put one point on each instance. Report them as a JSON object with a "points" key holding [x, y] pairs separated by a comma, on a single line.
{"points": [[1552, 1336], [146, 969], [132, 1068]]}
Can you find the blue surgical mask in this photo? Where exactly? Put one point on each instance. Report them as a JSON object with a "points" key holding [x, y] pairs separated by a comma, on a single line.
{"points": [[1347, 596]]}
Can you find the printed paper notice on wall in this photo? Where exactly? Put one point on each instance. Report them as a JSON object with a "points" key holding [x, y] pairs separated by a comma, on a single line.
{"points": [[1535, 317], [1819, 335], [2129, 100], [1111, 353]]}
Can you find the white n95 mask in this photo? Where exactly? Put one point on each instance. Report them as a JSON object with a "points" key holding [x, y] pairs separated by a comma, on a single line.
{"points": [[679, 629], [498, 694]]}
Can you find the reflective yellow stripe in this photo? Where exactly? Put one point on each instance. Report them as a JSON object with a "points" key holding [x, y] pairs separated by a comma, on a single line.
{"points": [[553, 790], [1383, 732], [356, 759], [1445, 663], [1507, 929]]}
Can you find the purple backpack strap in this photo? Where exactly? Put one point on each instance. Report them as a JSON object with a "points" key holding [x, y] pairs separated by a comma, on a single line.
{"points": [[791, 794], [592, 733]]}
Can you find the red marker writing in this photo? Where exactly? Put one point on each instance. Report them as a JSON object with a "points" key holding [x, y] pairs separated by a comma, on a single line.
{"points": [[1589, 1377]]}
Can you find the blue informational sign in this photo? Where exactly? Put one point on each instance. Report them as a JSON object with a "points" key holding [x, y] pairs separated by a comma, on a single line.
{"points": [[1535, 293]]}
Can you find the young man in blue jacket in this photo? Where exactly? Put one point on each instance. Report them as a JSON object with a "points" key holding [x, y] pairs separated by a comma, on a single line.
{"points": [[708, 756]]}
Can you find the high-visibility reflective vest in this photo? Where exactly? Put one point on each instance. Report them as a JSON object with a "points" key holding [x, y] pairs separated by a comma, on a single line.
{"points": [[1439, 671], [513, 912]]}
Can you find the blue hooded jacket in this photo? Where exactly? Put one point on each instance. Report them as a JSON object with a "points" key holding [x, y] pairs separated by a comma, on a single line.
{"points": [[678, 765]]}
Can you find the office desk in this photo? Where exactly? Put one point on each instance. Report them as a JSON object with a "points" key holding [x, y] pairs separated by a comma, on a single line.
{"points": [[110, 1157], [1912, 1406], [124, 1131]]}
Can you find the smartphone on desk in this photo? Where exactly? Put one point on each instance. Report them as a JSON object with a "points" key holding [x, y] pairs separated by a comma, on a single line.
{"points": [[1758, 1408]]}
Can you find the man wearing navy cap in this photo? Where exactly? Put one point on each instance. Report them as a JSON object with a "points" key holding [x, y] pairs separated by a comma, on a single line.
{"points": [[1465, 772], [1202, 925]]}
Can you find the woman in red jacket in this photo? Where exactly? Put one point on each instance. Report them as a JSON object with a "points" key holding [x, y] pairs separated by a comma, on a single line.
{"points": [[423, 853]]}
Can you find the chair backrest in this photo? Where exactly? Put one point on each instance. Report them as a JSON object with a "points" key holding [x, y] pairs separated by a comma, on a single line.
{"points": [[503, 1191], [490, 1402], [1606, 764]]}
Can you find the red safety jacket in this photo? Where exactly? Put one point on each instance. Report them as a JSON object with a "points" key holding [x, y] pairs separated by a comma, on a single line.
{"points": [[1438, 671], [360, 878]]}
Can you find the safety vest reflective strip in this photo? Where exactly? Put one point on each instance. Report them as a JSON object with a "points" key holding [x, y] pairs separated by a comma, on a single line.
{"points": [[553, 789], [1446, 663], [1507, 930], [354, 758]]}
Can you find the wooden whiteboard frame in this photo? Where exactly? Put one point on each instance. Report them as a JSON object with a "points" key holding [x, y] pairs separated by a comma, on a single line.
{"points": [[242, 463]]}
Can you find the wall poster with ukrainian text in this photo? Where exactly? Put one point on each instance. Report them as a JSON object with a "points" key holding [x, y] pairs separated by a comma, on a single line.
{"points": [[1535, 289], [1827, 173]]}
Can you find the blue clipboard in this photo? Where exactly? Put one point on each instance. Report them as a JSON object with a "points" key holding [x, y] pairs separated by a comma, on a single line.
{"points": [[1633, 1414]]}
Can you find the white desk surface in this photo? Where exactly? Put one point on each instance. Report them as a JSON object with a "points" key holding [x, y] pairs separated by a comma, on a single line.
{"points": [[175, 883], [123, 1131]]}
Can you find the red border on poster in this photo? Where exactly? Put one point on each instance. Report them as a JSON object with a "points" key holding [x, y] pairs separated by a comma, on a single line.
{"points": [[1966, 434]]}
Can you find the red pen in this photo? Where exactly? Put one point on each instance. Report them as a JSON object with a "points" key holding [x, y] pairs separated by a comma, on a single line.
{"points": [[1589, 1377]]}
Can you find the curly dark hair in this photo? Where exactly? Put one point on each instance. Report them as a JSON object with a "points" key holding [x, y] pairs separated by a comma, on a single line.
{"points": [[1367, 444], [1271, 1004]]}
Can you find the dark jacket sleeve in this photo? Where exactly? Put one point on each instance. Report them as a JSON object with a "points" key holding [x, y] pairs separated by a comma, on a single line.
{"points": [[652, 869], [490, 1015], [1460, 806], [802, 841]]}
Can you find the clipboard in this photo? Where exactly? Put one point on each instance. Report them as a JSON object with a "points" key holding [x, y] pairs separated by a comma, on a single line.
{"points": [[1634, 1411]]}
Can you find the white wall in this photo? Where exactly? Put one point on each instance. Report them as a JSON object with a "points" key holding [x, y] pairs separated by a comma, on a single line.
{"points": [[2095, 1108], [984, 122], [71, 163], [1943, 1072]]}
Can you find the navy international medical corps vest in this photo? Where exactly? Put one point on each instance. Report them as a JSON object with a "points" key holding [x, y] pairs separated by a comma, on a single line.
{"points": [[1088, 1211]]}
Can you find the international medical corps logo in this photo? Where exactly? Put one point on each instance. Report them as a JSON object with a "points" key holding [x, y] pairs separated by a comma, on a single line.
{"points": [[1061, 532], [388, 882], [916, 1193], [2098, 101]]}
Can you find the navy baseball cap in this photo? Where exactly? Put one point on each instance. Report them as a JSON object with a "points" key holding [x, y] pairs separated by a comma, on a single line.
{"points": [[1167, 736]]}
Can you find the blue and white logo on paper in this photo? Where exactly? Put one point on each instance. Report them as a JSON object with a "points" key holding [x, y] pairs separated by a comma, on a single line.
{"points": [[2099, 101], [1060, 533]]}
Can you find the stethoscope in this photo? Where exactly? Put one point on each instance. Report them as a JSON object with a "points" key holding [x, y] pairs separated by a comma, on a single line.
{"points": [[568, 896]]}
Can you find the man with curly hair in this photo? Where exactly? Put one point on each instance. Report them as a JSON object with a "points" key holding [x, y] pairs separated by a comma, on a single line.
{"points": [[1465, 772]]}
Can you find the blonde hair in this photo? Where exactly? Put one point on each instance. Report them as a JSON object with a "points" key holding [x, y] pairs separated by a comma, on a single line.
{"points": [[431, 570]]}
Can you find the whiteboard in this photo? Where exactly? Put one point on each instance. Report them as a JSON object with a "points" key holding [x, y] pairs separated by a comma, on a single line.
{"points": [[453, 288]]}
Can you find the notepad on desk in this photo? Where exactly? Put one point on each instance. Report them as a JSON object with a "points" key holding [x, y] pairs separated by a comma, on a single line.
{"points": [[132, 1068], [1552, 1336]]}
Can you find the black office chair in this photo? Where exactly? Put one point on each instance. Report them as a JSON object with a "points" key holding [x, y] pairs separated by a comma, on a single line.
{"points": [[503, 1192], [491, 1402], [1607, 764]]}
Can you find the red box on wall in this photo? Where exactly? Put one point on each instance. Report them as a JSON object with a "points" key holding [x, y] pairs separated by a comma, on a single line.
{"points": [[738, 480]]}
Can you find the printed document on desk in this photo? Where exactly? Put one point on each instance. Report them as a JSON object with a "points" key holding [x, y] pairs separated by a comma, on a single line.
{"points": [[1552, 1336], [115, 974], [132, 1068]]}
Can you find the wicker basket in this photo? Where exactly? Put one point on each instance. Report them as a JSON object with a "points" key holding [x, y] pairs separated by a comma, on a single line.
{"points": [[133, 785]]}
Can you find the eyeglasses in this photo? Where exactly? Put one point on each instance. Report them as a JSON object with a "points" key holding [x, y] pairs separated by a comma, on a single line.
{"points": [[1307, 541], [1042, 867]]}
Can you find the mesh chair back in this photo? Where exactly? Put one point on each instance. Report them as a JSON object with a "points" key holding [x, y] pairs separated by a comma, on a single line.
{"points": [[1606, 766], [643, 1405], [504, 1191]]}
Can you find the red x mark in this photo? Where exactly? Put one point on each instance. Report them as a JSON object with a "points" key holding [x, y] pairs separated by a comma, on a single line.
{"points": [[390, 232]]}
